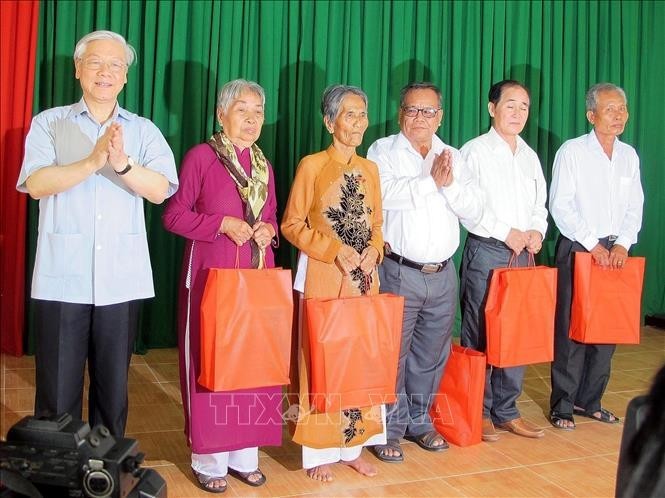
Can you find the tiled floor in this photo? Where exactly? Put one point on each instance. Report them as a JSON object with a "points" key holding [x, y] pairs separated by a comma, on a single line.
{"points": [[578, 463]]}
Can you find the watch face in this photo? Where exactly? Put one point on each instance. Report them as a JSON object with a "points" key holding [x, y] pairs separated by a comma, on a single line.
{"points": [[130, 161]]}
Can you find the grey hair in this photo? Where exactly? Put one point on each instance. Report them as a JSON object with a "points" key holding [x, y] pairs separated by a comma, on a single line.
{"points": [[232, 90], [592, 94], [82, 45], [419, 86], [334, 95]]}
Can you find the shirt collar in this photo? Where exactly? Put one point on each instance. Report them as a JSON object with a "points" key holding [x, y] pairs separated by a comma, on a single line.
{"points": [[498, 143], [401, 142], [82, 108], [593, 143], [337, 156]]}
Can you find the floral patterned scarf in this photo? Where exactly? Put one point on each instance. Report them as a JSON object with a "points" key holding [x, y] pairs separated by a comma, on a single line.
{"points": [[253, 189]]}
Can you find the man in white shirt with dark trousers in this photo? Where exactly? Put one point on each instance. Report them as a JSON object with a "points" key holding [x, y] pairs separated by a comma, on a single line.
{"points": [[514, 222], [425, 189], [596, 202]]}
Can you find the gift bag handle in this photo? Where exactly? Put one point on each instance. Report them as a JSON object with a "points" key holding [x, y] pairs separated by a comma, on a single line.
{"points": [[341, 284], [531, 263], [237, 264]]}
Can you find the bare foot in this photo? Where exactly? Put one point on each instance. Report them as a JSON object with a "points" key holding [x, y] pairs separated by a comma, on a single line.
{"points": [[321, 473], [361, 466]]}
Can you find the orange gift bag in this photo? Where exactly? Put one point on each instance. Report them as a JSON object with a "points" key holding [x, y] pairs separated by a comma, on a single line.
{"points": [[457, 410], [354, 350], [606, 301], [519, 316], [246, 317]]}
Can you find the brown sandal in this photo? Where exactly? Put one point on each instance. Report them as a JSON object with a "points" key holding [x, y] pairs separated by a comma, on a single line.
{"points": [[207, 483], [245, 476]]}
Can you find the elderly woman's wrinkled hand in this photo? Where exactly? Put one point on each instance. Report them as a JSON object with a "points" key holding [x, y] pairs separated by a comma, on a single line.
{"points": [[347, 259], [263, 233], [236, 229], [368, 259]]}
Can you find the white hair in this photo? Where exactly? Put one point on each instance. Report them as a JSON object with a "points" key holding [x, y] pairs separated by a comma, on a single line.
{"points": [[82, 45], [592, 94], [233, 89]]}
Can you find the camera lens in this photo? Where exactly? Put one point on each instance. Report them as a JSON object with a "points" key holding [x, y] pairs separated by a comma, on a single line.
{"points": [[97, 484]]}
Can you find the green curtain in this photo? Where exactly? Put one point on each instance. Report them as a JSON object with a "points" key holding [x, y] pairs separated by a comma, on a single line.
{"points": [[187, 50]]}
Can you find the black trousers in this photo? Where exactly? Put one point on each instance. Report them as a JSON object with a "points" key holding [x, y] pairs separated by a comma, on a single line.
{"points": [[67, 335], [580, 372], [503, 386]]}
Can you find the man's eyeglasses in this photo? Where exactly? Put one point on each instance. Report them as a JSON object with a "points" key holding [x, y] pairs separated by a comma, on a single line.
{"points": [[114, 65], [428, 112]]}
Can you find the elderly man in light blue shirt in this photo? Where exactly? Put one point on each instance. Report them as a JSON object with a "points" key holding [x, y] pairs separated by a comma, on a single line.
{"points": [[91, 164]]}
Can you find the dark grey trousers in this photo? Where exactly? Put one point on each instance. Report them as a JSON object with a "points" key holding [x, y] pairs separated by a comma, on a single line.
{"points": [[580, 372], [502, 385], [429, 315], [67, 335]]}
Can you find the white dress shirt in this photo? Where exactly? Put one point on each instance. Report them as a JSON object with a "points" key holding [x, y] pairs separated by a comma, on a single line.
{"points": [[420, 221], [593, 196], [512, 185]]}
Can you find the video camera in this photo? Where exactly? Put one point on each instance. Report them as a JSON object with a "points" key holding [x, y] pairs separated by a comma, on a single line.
{"points": [[61, 457]]}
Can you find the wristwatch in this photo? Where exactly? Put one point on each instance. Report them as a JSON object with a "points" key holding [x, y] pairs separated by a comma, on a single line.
{"points": [[130, 164]]}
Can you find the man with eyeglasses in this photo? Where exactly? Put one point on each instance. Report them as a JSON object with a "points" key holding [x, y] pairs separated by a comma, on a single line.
{"points": [[425, 189], [91, 164], [596, 202]]}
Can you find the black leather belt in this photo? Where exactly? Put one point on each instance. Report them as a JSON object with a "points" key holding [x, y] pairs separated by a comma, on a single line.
{"points": [[423, 267], [488, 240]]}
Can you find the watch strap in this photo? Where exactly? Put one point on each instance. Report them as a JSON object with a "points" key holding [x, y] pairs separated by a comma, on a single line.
{"points": [[127, 168]]}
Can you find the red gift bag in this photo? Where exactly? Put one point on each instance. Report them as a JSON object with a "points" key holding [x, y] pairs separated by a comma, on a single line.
{"points": [[457, 410], [519, 316], [246, 317], [606, 301], [354, 350]]}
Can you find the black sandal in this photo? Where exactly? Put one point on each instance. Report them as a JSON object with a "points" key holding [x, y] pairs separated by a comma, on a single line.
{"points": [[379, 451], [426, 441], [606, 416], [244, 476], [557, 419]]}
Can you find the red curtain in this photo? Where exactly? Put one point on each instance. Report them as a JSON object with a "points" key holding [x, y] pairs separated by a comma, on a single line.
{"points": [[18, 32]]}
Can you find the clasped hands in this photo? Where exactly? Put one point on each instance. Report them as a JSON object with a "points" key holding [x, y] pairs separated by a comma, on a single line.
{"points": [[614, 257], [110, 148], [531, 240], [348, 259], [442, 169], [240, 232]]}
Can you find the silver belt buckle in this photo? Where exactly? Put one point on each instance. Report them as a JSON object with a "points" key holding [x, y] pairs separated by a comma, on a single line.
{"points": [[612, 238], [431, 268]]}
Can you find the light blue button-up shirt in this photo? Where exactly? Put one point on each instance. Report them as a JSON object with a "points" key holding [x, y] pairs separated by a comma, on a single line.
{"points": [[92, 246]]}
